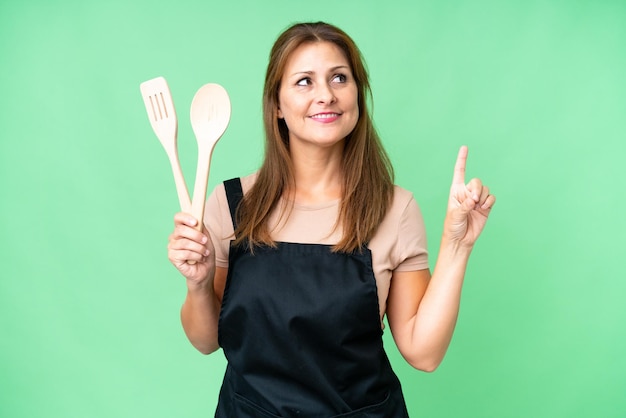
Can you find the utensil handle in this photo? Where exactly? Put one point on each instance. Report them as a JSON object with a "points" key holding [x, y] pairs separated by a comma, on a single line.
{"points": [[181, 186], [199, 190]]}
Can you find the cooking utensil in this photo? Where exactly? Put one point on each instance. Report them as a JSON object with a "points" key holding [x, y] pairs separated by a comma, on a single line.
{"points": [[210, 114], [162, 114]]}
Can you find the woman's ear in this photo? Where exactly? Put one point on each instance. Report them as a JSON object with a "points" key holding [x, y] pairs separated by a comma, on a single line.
{"points": [[279, 114]]}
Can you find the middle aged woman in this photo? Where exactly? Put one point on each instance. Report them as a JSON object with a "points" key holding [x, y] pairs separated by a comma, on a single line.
{"points": [[301, 261]]}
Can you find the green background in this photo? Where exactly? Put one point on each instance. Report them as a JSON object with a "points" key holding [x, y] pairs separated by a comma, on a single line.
{"points": [[89, 303]]}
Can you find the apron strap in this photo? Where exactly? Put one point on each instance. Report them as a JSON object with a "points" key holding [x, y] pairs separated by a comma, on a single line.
{"points": [[234, 194]]}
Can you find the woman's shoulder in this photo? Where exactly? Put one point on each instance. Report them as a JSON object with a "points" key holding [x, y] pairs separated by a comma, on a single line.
{"points": [[217, 198], [247, 182], [401, 198], [401, 193], [403, 207]]}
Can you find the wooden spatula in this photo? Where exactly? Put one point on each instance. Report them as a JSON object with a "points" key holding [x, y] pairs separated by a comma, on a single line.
{"points": [[160, 107]]}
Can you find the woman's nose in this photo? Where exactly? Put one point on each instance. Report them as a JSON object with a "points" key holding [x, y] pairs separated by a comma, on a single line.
{"points": [[325, 94]]}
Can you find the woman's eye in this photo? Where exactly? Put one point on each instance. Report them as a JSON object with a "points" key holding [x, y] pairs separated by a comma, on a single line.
{"points": [[340, 78], [304, 82]]}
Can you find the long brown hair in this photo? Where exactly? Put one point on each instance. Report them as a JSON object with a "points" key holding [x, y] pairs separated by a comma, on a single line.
{"points": [[367, 171]]}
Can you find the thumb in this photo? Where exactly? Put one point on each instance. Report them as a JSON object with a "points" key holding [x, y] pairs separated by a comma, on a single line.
{"points": [[466, 206]]}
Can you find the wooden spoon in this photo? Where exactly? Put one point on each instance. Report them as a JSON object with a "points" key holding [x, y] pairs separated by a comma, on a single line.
{"points": [[210, 114]]}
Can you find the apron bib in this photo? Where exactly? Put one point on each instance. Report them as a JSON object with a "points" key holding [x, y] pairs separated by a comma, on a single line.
{"points": [[300, 328]]}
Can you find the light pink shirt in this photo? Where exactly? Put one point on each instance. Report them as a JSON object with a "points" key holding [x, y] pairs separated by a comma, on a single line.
{"points": [[399, 244]]}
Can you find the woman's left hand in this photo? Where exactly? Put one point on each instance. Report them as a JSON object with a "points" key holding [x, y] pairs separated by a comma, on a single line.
{"points": [[469, 206]]}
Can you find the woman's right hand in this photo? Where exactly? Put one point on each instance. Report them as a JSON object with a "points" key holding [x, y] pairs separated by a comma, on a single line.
{"points": [[187, 243]]}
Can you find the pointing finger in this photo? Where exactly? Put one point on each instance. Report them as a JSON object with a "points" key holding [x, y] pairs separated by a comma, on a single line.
{"points": [[459, 168]]}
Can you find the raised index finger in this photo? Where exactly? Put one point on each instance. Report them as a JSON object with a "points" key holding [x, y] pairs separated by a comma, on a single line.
{"points": [[459, 167]]}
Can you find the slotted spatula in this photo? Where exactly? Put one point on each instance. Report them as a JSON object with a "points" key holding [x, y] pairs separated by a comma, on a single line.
{"points": [[160, 107]]}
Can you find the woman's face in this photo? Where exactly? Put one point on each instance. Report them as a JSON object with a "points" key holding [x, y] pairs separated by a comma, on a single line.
{"points": [[318, 97]]}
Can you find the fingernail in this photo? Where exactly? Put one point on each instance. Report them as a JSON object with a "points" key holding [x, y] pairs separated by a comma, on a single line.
{"points": [[206, 253], [192, 221], [204, 239]]}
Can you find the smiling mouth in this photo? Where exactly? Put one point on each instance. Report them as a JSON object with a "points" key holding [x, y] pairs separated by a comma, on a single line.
{"points": [[325, 116]]}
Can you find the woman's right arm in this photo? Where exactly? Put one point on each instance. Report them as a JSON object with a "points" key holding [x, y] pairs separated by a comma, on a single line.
{"points": [[201, 309]]}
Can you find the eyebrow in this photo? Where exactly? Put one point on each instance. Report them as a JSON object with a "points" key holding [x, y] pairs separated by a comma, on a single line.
{"points": [[335, 68]]}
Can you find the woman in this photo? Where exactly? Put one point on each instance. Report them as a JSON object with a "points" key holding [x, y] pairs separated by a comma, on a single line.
{"points": [[299, 262]]}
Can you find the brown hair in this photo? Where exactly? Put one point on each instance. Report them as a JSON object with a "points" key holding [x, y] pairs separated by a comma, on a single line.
{"points": [[367, 171]]}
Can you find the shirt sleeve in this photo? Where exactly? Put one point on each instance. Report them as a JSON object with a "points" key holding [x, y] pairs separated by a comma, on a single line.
{"points": [[411, 249], [218, 222]]}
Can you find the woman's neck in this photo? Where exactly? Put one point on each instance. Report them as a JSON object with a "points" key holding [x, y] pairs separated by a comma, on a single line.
{"points": [[318, 175]]}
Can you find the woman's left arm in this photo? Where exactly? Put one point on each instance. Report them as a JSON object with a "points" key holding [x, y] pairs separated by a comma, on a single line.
{"points": [[422, 310]]}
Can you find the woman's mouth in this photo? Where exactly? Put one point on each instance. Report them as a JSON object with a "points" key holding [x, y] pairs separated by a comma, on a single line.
{"points": [[325, 117]]}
